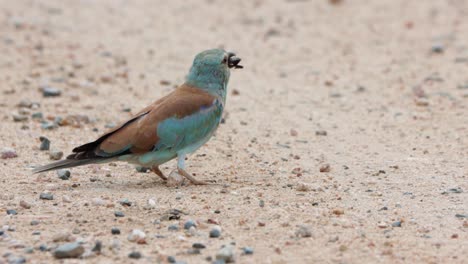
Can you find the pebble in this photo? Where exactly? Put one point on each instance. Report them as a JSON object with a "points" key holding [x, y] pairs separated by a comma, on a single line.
{"points": [[151, 203], [396, 224], [382, 225], [215, 232], [437, 48], [20, 118], [303, 231], [125, 202], [34, 222], [45, 143], [247, 250], [11, 212], [226, 254], [303, 187], [69, 250], [8, 153], [137, 236], [173, 228], [46, 196], [51, 92], [320, 133], [171, 259], [48, 125], [142, 169], [189, 224], [63, 174], [119, 214], [98, 201], [198, 245], [134, 255], [55, 154], [37, 115], [25, 204], [115, 231], [12, 259], [325, 168]]}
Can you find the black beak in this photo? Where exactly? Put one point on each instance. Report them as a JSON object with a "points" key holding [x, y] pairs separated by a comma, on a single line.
{"points": [[233, 61]]}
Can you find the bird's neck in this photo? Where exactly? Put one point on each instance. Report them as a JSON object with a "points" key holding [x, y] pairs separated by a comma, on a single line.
{"points": [[214, 87]]}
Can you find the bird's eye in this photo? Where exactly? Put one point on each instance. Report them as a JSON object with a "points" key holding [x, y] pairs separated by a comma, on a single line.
{"points": [[225, 59]]}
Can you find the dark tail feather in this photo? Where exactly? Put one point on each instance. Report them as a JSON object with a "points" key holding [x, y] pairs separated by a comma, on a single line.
{"points": [[62, 164]]}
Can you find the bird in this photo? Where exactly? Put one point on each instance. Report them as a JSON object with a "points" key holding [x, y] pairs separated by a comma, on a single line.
{"points": [[172, 127]]}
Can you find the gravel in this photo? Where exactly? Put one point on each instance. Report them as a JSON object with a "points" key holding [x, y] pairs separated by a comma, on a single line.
{"points": [[119, 214], [45, 143], [69, 250], [55, 154], [8, 153], [115, 231], [51, 91], [63, 174], [189, 224], [215, 232], [46, 196], [134, 255], [226, 254]]}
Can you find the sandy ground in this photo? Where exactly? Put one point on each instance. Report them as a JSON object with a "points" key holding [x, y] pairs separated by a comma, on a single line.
{"points": [[376, 90]]}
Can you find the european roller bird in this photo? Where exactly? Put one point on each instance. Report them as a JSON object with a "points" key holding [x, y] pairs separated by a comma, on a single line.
{"points": [[172, 127]]}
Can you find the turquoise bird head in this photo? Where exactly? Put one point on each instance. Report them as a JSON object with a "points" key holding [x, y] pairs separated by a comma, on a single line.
{"points": [[211, 69]]}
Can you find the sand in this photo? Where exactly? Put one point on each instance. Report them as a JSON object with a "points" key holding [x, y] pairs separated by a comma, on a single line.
{"points": [[345, 136]]}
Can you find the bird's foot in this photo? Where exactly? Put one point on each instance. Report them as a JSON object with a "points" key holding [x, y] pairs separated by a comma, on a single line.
{"points": [[190, 177], [158, 172]]}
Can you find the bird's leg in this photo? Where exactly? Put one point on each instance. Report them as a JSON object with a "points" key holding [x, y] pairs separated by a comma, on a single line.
{"points": [[180, 169], [158, 172]]}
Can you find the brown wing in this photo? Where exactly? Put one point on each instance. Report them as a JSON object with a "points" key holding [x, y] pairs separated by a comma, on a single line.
{"points": [[139, 134]]}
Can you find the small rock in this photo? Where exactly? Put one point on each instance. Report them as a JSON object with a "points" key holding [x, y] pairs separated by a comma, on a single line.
{"points": [[320, 133], [25, 204], [293, 132], [51, 92], [20, 118], [396, 224], [115, 231], [11, 212], [8, 153], [137, 236], [325, 168], [34, 222], [226, 254], [142, 169], [48, 125], [119, 214], [134, 255], [247, 250], [63, 174], [55, 154], [46, 196], [12, 259], [61, 237], [173, 228], [37, 115], [151, 203], [98, 201], [69, 250], [303, 187], [382, 225], [338, 211], [171, 259], [125, 202], [198, 245], [45, 143], [303, 231], [66, 199], [189, 224], [215, 232], [437, 48]]}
